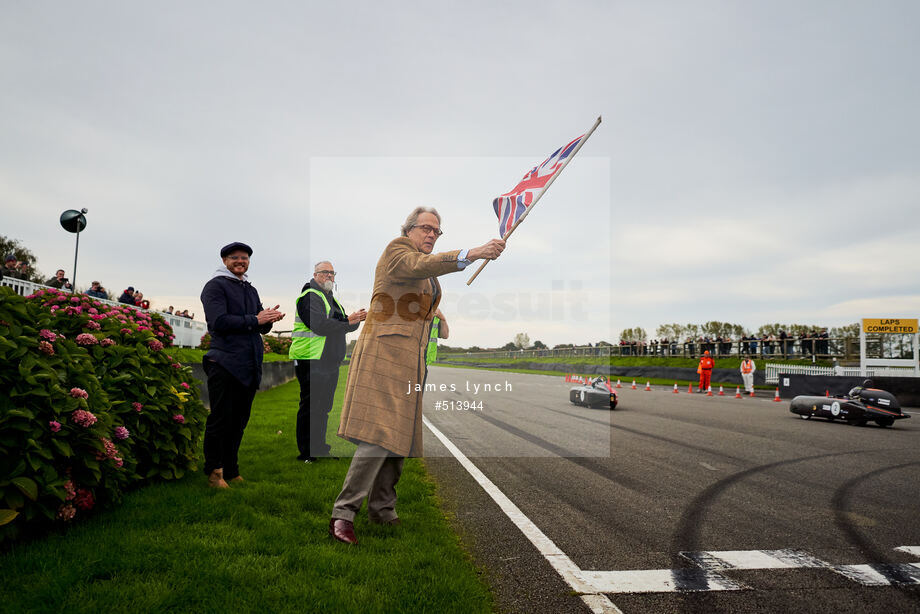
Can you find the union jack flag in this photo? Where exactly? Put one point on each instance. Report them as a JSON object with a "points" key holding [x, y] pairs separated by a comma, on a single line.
{"points": [[512, 204]]}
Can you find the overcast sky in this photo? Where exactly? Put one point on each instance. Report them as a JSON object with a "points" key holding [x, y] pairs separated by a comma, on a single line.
{"points": [[757, 162]]}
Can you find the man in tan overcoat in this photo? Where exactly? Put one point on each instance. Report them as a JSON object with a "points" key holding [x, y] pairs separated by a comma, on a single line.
{"points": [[382, 410]]}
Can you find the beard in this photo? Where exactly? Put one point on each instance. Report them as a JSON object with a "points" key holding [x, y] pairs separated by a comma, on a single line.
{"points": [[327, 286]]}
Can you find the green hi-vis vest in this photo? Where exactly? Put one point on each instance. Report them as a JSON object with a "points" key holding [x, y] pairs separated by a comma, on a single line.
{"points": [[305, 344], [432, 352]]}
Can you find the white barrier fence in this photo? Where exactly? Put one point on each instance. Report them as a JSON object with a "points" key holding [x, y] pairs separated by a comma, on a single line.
{"points": [[774, 369], [188, 332]]}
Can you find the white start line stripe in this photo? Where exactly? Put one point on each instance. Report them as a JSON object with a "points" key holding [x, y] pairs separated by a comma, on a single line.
{"points": [[708, 577], [570, 572], [753, 559]]}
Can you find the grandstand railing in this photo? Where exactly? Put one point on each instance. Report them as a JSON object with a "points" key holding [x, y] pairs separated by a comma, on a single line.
{"points": [[773, 371], [188, 332]]}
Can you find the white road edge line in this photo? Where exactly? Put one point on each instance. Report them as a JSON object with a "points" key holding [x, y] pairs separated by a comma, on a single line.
{"points": [[564, 566]]}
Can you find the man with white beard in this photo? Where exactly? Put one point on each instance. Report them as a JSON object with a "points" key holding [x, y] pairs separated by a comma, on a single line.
{"points": [[318, 348]]}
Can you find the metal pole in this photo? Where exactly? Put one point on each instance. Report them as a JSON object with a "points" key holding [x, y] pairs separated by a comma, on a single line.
{"points": [[73, 284]]}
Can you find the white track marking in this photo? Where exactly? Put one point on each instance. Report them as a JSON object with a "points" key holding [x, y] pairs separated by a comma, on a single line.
{"points": [[881, 574], [708, 466], [753, 559], [914, 550], [660, 581], [570, 572]]}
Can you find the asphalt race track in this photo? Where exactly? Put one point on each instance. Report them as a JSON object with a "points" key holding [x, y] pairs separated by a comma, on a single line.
{"points": [[676, 502]]}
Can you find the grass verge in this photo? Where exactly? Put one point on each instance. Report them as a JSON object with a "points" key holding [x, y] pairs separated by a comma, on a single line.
{"points": [[259, 547], [634, 361]]}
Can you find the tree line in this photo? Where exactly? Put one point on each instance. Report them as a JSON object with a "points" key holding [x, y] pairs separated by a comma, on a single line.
{"points": [[714, 329]]}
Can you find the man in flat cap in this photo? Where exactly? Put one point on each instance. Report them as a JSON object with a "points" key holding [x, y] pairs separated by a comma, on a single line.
{"points": [[233, 365]]}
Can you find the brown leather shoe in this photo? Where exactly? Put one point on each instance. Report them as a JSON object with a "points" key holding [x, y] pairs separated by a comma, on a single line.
{"points": [[342, 530], [216, 479]]}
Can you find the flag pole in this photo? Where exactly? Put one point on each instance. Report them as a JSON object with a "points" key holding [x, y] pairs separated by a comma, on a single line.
{"points": [[588, 134]]}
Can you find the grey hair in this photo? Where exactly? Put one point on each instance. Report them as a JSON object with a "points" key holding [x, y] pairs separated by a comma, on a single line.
{"points": [[316, 266], [413, 218]]}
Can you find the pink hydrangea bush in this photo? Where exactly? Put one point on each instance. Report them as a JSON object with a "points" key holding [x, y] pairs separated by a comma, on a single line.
{"points": [[95, 390]]}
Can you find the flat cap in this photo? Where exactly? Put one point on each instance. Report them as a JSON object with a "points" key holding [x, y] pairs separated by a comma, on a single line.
{"points": [[235, 246]]}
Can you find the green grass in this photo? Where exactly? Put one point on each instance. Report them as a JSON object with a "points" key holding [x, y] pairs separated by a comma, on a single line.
{"points": [[631, 361], [194, 355], [572, 360], [259, 547]]}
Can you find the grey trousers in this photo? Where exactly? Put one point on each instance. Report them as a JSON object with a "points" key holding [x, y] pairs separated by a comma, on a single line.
{"points": [[373, 473]]}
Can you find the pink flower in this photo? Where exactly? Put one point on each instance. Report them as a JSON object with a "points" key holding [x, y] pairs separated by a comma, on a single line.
{"points": [[125, 330], [107, 342], [184, 385], [75, 299], [46, 348], [84, 418], [54, 308], [119, 462], [86, 339], [47, 334], [55, 426], [84, 499], [176, 365], [79, 393], [110, 450], [93, 325], [159, 334], [66, 512], [93, 309], [137, 406], [70, 489], [121, 433], [155, 345], [179, 418]]}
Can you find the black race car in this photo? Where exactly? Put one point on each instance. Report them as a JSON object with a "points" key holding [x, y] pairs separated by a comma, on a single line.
{"points": [[862, 404], [596, 393]]}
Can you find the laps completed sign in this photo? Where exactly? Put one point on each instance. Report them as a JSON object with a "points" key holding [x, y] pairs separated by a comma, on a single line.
{"points": [[889, 325]]}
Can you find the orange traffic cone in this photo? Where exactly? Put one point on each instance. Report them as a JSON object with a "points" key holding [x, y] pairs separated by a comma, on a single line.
{"points": [[827, 392], [618, 384], [648, 386], [752, 393], [721, 392], [690, 388], [776, 398], [737, 392], [634, 385], [676, 391], [709, 391], [568, 378]]}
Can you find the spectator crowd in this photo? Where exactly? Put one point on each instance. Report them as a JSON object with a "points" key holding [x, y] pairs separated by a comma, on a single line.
{"points": [[808, 343]]}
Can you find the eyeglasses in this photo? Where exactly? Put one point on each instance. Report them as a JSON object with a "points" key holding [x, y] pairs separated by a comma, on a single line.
{"points": [[426, 229], [329, 273], [238, 257]]}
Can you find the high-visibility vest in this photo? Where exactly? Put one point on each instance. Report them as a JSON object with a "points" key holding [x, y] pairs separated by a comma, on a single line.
{"points": [[305, 344], [432, 353], [747, 366]]}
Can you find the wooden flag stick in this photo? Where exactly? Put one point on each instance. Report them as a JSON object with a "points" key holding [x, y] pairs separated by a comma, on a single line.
{"points": [[548, 183]]}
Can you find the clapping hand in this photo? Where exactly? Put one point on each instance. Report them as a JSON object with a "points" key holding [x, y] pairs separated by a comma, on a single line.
{"points": [[267, 316], [358, 316]]}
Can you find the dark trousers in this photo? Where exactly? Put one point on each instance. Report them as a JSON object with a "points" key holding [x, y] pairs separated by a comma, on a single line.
{"points": [[231, 404], [317, 389]]}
